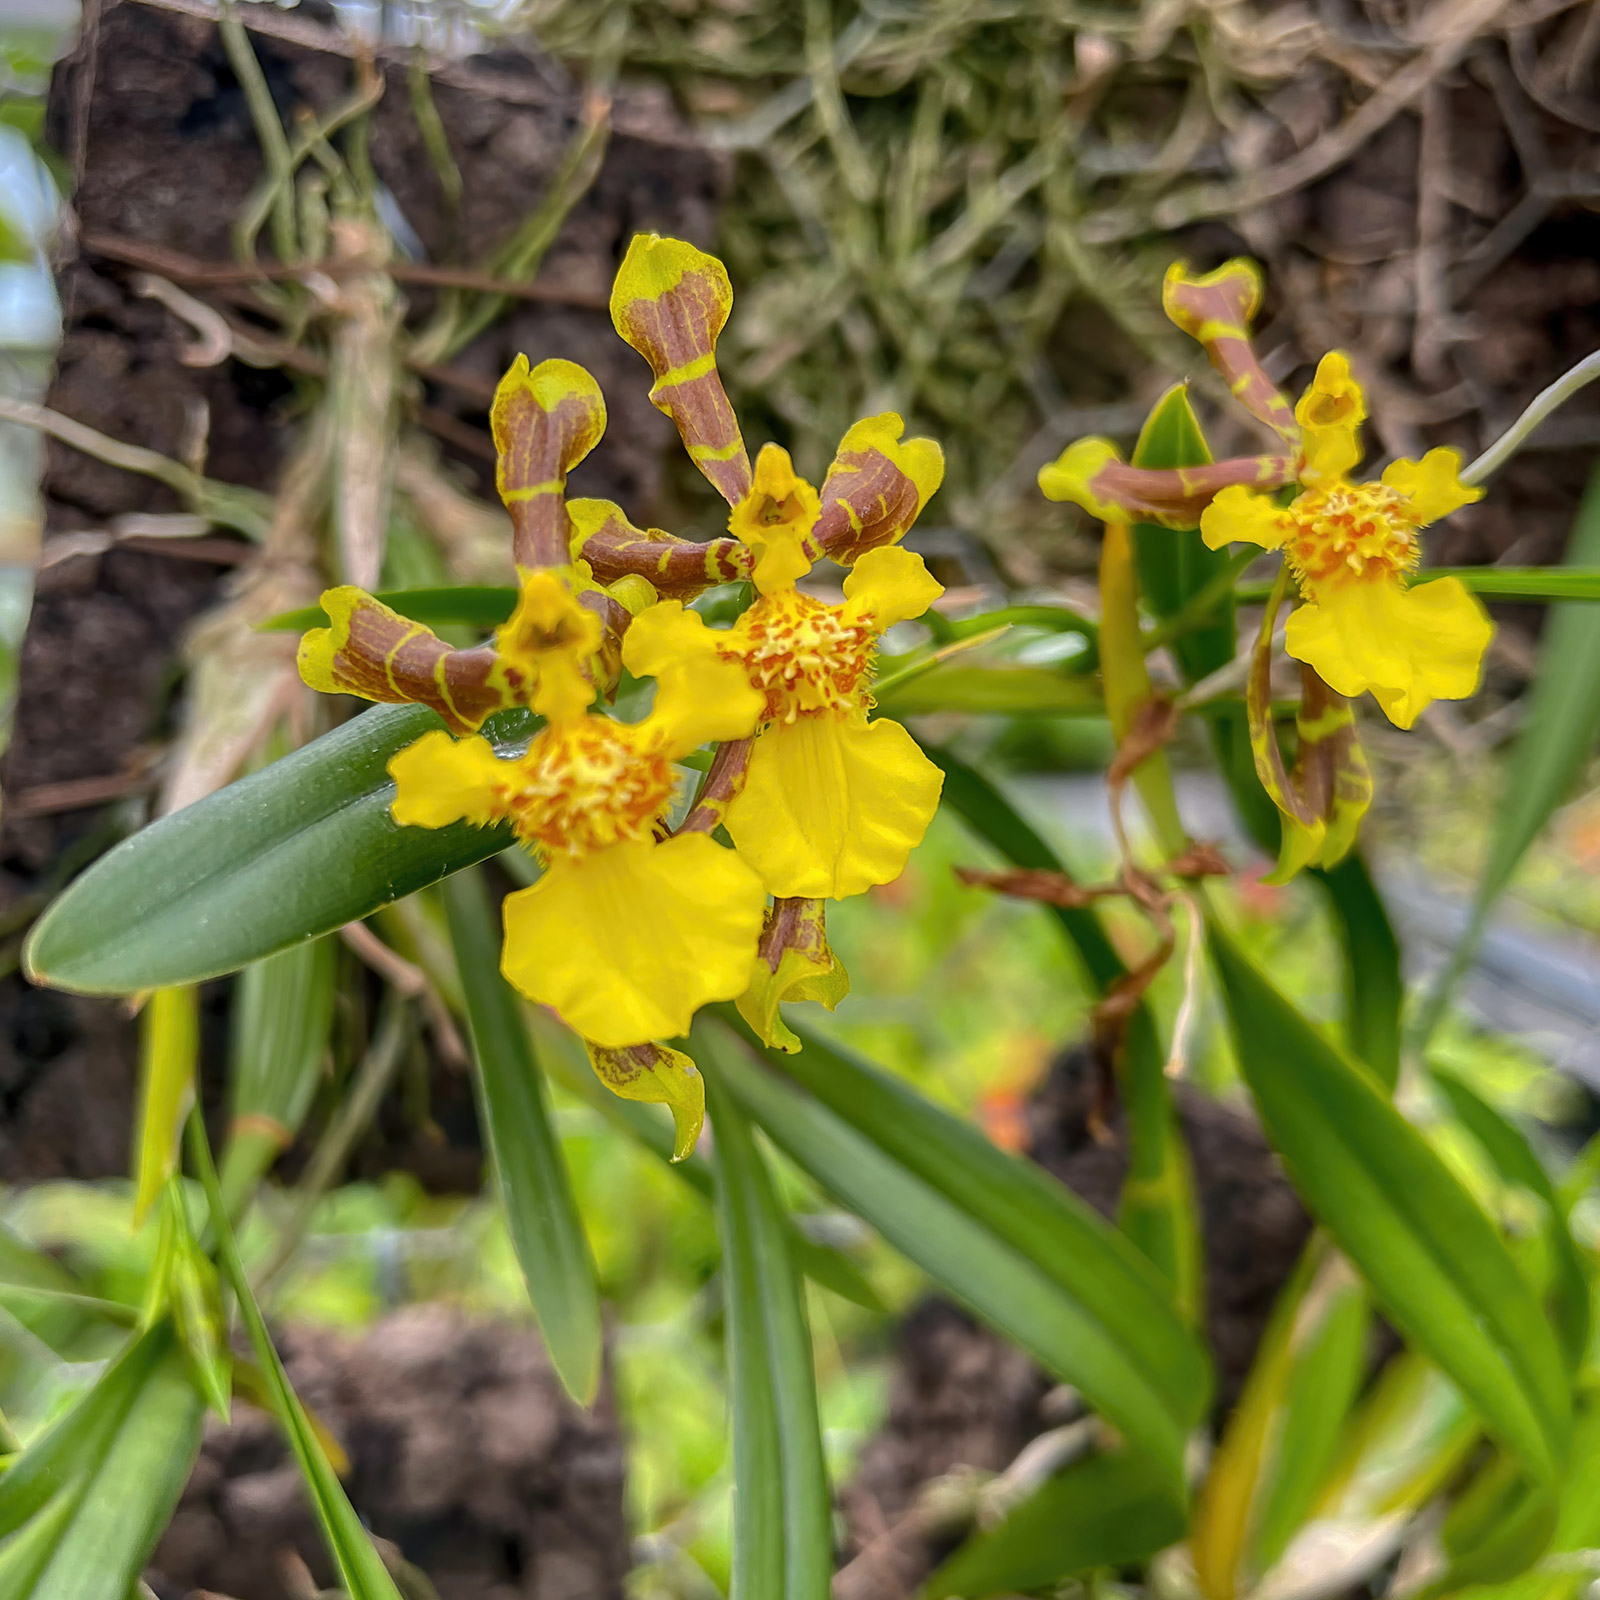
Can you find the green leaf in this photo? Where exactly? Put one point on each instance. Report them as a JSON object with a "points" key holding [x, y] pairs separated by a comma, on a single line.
{"points": [[82, 1508], [529, 1167], [782, 1510], [1516, 1162], [1010, 689], [1563, 719], [1174, 565], [562, 1053], [471, 605], [1283, 1432], [291, 852], [1498, 1527], [281, 1015], [1553, 584], [1107, 1511], [1431, 1255], [1005, 1240], [361, 1569], [1524, 583], [1577, 1529], [1374, 989], [1158, 1209]]}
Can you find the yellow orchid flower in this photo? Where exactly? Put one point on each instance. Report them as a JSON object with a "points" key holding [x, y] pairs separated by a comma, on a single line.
{"points": [[1352, 547], [831, 803], [627, 934]]}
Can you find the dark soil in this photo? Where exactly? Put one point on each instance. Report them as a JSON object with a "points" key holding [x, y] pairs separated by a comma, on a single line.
{"points": [[465, 1455]]}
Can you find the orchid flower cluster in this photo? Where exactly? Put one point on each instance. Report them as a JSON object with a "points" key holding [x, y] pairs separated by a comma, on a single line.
{"points": [[1350, 549], [635, 923]]}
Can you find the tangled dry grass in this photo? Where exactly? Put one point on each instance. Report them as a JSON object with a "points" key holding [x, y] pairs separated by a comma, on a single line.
{"points": [[961, 208]]}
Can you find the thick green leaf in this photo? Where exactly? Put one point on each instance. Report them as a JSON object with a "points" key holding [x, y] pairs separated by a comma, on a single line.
{"points": [[1108, 1511], [361, 1569], [1158, 1210], [1556, 740], [1516, 1162], [472, 605], [782, 1510], [1374, 989], [541, 1210], [98, 1489], [1154, 1406], [288, 853], [1430, 1253]]}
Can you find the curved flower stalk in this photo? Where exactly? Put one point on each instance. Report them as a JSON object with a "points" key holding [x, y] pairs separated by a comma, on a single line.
{"points": [[1351, 551], [828, 803]]}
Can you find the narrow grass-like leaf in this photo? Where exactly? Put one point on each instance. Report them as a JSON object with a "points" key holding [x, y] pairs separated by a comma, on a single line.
{"points": [[782, 1512], [288, 853], [1516, 1162], [1431, 1255], [1577, 1529], [1281, 1436], [1174, 564], [1558, 736], [361, 1569], [83, 1507], [986, 1271], [1158, 1209], [475, 605], [1374, 989], [526, 1153], [1108, 1511], [1007, 688], [282, 1010], [562, 1052], [168, 1055]]}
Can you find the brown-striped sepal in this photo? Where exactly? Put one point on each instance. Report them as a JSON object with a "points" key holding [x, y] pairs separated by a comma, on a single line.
{"points": [[678, 569], [1322, 800], [1217, 310], [876, 487], [371, 651], [545, 421], [1091, 473], [670, 301], [793, 962]]}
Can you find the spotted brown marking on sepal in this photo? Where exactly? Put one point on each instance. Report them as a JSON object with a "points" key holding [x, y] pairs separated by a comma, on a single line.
{"points": [[614, 619], [657, 1075], [793, 962], [545, 421], [670, 301], [1217, 309], [371, 651], [1324, 797], [876, 487], [678, 569], [1091, 473]]}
